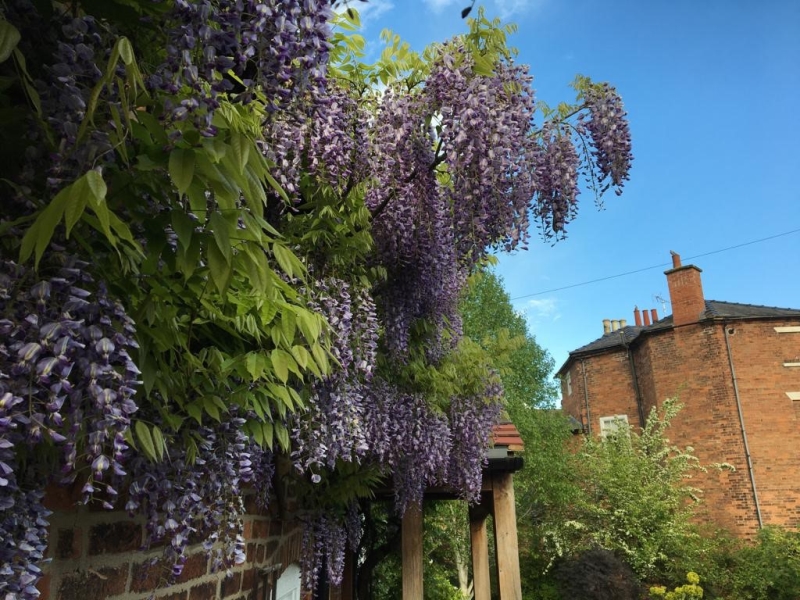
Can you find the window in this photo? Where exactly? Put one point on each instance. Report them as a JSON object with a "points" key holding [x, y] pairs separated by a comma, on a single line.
{"points": [[568, 380], [610, 425], [792, 329]]}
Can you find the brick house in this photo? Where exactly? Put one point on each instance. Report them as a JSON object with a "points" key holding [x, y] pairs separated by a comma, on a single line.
{"points": [[735, 368]]}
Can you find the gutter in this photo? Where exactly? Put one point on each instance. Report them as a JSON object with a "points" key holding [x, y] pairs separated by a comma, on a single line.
{"points": [[741, 424]]}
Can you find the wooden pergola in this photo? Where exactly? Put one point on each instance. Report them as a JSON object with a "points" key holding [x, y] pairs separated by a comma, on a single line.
{"points": [[497, 500]]}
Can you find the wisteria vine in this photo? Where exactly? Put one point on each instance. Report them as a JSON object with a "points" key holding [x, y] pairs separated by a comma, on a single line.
{"points": [[426, 177]]}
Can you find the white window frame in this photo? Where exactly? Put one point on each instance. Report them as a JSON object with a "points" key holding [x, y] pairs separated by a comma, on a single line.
{"points": [[789, 329], [611, 424], [568, 380]]}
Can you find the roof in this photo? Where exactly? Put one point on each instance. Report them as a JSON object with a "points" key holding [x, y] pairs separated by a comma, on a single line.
{"points": [[506, 435], [715, 310]]}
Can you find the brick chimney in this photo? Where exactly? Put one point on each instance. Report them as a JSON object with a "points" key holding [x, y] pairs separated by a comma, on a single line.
{"points": [[685, 292]]}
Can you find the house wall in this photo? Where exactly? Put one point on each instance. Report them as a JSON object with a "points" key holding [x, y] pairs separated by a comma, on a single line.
{"points": [[609, 386], [691, 362], [97, 555], [772, 419]]}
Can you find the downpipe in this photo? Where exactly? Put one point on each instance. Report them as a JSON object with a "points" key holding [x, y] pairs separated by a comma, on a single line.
{"points": [[741, 423]]}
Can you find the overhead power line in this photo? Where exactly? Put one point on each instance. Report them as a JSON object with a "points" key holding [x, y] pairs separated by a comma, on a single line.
{"points": [[658, 266]]}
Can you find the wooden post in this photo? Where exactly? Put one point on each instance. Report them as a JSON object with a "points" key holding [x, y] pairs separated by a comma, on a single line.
{"points": [[412, 553], [505, 535], [480, 553]]}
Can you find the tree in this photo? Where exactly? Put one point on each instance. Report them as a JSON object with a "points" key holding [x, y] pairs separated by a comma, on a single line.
{"points": [[224, 244], [636, 497], [545, 487]]}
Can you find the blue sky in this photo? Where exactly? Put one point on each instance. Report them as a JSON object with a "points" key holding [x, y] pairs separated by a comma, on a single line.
{"points": [[711, 88]]}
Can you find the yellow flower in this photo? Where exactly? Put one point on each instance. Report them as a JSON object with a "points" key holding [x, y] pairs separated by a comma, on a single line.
{"points": [[658, 590], [693, 578]]}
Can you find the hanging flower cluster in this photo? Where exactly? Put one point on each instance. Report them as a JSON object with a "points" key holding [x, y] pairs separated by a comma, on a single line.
{"points": [[184, 496], [427, 178], [67, 381], [279, 47]]}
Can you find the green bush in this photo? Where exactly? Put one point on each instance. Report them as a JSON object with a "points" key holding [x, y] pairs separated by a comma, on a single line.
{"points": [[687, 591], [597, 574], [767, 570]]}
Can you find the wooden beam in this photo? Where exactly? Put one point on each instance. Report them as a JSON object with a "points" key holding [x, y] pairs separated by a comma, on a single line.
{"points": [[345, 591], [480, 553], [505, 535], [412, 553]]}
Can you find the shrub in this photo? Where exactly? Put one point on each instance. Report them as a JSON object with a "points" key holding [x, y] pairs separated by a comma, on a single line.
{"points": [[597, 574], [687, 591], [768, 570]]}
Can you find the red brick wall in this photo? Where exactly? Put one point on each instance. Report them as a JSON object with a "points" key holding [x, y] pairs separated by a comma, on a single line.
{"points": [[609, 386], [96, 555], [686, 294], [772, 419], [691, 362]]}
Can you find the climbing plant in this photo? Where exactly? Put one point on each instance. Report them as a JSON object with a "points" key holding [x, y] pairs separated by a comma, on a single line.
{"points": [[227, 237]]}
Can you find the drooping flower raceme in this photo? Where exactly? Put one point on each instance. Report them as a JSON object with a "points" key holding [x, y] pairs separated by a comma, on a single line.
{"points": [[66, 380]]}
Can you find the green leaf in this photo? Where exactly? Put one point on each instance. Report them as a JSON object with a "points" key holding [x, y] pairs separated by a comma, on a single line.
{"points": [[184, 227], [221, 228], [281, 392], [159, 443], [75, 205], [288, 326], [181, 168], [220, 268], [267, 428], [282, 435], [309, 324], [195, 411], [321, 358], [9, 38], [301, 355], [198, 201], [126, 50], [145, 440], [96, 184], [241, 150], [280, 363], [211, 408], [27, 82], [289, 263], [215, 148], [38, 236]]}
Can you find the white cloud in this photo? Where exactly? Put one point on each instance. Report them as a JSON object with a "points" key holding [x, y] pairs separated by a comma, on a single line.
{"points": [[541, 309]]}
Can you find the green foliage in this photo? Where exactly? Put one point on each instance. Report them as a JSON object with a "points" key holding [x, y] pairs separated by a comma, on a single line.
{"points": [[635, 498], [491, 321], [596, 574], [687, 591], [768, 568]]}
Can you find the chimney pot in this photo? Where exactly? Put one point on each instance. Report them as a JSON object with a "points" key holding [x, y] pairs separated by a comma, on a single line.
{"points": [[606, 326], [614, 324], [623, 323], [637, 316], [646, 316], [654, 314], [676, 259]]}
